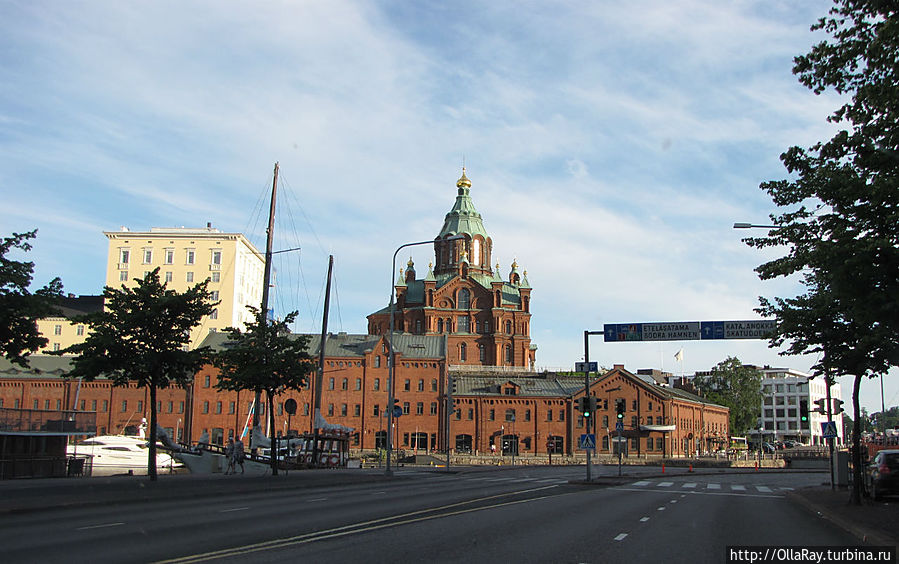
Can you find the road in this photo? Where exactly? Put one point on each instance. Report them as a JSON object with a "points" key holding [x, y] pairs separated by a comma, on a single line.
{"points": [[528, 514]]}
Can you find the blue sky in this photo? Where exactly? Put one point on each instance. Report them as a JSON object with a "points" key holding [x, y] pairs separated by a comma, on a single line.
{"points": [[610, 145]]}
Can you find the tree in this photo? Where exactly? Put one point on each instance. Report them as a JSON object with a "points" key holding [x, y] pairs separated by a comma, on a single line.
{"points": [[841, 224], [737, 387], [19, 308], [264, 357], [142, 336]]}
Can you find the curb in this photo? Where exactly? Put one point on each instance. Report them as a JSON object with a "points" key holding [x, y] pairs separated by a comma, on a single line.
{"points": [[861, 533]]}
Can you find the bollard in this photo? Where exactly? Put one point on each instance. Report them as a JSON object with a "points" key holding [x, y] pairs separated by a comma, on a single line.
{"points": [[663, 468], [756, 466], [691, 468]]}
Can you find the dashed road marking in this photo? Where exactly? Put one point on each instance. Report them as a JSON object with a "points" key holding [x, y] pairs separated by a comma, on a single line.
{"points": [[644, 519], [316, 499], [673, 501], [621, 536], [661, 508], [234, 509]]}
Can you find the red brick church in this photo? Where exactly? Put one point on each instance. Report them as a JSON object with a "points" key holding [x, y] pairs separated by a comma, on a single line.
{"points": [[486, 319]]}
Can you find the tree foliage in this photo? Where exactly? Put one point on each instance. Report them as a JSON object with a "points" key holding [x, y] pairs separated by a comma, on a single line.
{"points": [[737, 387], [142, 336], [19, 307], [841, 222], [265, 357]]}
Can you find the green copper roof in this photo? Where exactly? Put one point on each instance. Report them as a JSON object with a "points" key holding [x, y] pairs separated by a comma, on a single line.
{"points": [[463, 218]]}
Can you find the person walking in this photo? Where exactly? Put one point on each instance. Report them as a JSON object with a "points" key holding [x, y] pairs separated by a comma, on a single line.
{"points": [[237, 457], [229, 454]]}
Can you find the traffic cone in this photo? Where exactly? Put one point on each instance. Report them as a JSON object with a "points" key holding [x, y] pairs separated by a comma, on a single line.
{"points": [[691, 468]]}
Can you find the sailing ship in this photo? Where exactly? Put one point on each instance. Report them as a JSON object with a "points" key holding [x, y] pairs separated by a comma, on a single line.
{"points": [[326, 447]]}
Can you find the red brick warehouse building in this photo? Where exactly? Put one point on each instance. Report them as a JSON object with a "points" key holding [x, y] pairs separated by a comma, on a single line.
{"points": [[463, 321]]}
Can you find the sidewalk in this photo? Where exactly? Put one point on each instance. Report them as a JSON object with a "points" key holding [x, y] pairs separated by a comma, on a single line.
{"points": [[873, 523]]}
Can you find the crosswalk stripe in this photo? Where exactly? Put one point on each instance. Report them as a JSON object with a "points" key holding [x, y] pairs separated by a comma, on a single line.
{"points": [[763, 489], [690, 485], [642, 483], [738, 488], [713, 486], [665, 484]]}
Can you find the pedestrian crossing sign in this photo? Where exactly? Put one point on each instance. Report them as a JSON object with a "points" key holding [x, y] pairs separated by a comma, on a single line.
{"points": [[828, 429], [586, 442]]}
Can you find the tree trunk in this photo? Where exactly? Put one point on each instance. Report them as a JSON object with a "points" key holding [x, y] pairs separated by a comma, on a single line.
{"points": [[271, 429], [856, 493], [151, 463]]}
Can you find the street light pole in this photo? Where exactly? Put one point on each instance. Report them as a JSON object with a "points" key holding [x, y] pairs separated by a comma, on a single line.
{"points": [[590, 422], [390, 358]]}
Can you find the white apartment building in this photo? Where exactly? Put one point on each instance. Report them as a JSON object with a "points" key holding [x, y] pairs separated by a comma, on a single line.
{"points": [[784, 390]]}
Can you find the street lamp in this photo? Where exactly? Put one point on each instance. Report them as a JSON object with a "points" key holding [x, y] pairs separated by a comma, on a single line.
{"points": [[740, 225], [390, 357]]}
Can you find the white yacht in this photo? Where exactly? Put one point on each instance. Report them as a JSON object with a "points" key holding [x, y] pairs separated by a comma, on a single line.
{"points": [[118, 454]]}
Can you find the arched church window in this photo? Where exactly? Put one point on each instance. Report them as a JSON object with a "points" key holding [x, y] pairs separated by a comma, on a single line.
{"points": [[478, 325], [476, 252], [462, 352], [486, 327], [482, 353], [464, 324], [508, 354], [464, 298], [440, 326], [418, 326], [508, 327]]}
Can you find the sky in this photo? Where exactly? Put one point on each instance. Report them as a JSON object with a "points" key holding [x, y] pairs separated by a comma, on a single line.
{"points": [[610, 145]]}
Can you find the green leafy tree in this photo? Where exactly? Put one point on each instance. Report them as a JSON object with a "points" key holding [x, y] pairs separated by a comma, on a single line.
{"points": [[841, 222], [20, 308], [265, 357], [142, 336], [737, 387]]}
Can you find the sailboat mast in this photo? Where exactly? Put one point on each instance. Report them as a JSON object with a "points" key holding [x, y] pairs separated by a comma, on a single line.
{"points": [[267, 273]]}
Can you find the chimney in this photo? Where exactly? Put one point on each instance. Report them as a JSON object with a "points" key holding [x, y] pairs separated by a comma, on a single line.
{"points": [[208, 225]]}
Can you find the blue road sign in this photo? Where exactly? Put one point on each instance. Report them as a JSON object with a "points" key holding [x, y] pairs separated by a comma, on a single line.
{"points": [[829, 429], [688, 330], [619, 426], [586, 442], [583, 367]]}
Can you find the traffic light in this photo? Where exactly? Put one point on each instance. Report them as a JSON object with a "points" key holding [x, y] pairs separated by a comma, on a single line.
{"points": [[803, 412], [619, 408], [837, 406], [587, 406], [584, 406], [822, 406]]}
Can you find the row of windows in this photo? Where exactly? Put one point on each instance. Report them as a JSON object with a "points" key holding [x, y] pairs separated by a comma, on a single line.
{"points": [[168, 276], [781, 400], [168, 256]]}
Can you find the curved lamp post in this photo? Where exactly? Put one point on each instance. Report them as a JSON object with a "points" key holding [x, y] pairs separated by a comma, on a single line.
{"points": [[390, 357]]}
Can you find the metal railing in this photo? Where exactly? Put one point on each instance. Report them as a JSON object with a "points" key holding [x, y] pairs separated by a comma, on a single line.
{"points": [[47, 421]]}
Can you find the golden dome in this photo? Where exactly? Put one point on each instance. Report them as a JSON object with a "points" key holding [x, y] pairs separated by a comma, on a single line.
{"points": [[464, 181]]}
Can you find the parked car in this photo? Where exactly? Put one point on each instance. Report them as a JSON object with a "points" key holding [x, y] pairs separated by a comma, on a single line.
{"points": [[883, 473]]}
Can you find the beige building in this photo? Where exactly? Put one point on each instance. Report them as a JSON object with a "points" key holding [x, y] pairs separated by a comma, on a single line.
{"points": [[62, 333], [186, 256]]}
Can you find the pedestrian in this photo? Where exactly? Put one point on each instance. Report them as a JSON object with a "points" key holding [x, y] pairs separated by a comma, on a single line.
{"points": [[229, 455], [237, 457], [492, 448]]}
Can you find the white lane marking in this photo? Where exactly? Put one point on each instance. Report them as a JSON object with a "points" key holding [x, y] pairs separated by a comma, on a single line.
{"points": [[666, 492], [683, 495], [673, 501], [738, 488], [690, 485], [644, 519], [789, 489], [103, 526], [661, 508], [524, 480], [316, 499], [713, 486], [620, 537], [234, 509], [666, 484], [763, 489], [378, 493], [642, 483]]}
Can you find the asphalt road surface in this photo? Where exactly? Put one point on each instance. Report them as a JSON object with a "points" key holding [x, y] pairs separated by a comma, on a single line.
{"points": [[510, 515]]}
